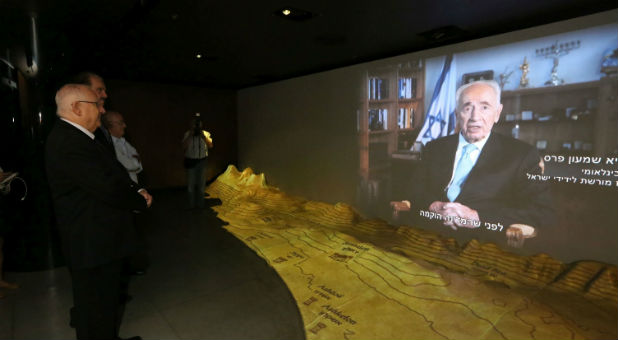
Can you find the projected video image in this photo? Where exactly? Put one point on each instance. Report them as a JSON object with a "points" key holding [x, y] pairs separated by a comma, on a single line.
{"points": [[526, 151]]}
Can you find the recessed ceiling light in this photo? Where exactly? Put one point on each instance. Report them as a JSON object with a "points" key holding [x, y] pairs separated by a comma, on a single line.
{"points": [[294, 14], [205, 57]]}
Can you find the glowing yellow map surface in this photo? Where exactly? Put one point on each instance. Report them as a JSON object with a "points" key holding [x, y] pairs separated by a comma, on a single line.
{"points": [[356, 278]]}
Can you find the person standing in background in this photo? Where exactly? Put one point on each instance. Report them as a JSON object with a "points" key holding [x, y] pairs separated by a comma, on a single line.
{"points": [[196, 142], [96, 84], [125, 152]]}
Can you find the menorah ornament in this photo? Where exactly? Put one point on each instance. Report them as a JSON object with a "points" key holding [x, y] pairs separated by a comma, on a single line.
{"points": [[555, 51]]}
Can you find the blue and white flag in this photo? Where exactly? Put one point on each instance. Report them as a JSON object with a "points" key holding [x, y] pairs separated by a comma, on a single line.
{"points": [[440, 119]]}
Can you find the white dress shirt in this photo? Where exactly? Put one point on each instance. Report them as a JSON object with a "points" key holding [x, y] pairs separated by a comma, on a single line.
{"points": [[128, 157], [197, 147]]}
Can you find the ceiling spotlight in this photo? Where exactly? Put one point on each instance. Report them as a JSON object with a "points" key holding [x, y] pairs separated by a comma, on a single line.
{"points": [[294, 14], [205, 57]]}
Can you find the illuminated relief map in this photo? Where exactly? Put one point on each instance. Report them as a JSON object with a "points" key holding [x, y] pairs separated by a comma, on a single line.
{"points": [[356, 278]]}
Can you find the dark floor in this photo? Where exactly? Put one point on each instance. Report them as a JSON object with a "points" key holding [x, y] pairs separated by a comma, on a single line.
{"points": [[202, 283]]}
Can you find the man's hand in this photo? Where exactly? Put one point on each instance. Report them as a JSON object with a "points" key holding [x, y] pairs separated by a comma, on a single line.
{"points": [[399, 206], [454, 209], [516, 234], [147, 197]]}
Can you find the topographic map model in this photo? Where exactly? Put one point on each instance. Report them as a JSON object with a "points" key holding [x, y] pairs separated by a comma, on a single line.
{"points": [[357, 278]]}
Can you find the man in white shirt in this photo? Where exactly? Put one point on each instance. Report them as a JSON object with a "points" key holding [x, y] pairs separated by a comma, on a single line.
{"points": [[196, 142], [125, 152]]}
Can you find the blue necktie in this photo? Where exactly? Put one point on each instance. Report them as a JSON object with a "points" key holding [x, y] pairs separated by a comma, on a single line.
{"points": [[461, 173]]}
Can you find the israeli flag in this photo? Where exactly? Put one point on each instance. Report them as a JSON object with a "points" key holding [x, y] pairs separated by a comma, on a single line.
{"points": [[440, 119]]}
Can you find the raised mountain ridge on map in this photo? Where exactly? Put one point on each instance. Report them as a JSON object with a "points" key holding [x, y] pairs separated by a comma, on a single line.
{"points": [[594, 279], [519, 296]]}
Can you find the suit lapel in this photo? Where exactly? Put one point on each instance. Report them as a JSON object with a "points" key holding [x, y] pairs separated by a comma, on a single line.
{"points": [[104, 150], [448, 162], [484, 165], [442, 168], [103, 136]]}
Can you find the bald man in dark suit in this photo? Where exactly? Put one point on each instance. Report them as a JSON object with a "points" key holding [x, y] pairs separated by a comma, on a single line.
{"points": [[94, 200]]}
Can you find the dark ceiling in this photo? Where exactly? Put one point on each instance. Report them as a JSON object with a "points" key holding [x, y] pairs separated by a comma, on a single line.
{"points": [[244, 43]]}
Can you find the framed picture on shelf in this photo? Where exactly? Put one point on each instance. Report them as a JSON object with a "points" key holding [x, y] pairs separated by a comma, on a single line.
{"points": [[474, 76]]}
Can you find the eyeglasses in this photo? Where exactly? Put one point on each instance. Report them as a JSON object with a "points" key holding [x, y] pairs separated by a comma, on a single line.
{"points": [[85, 101]]}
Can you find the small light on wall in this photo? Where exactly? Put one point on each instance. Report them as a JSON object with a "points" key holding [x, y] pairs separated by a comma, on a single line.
{"points": [[40, 117], [198, 56], [286, 11]]}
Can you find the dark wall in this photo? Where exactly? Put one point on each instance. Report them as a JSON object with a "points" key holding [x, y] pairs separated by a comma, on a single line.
{"points": [[157, 115], [301, 133]]}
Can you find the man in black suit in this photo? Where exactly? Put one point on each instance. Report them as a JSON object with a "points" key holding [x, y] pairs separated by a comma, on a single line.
{"points": [[476, 175], [94, 200]]}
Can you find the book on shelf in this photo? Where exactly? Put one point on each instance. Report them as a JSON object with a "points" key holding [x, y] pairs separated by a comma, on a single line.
{"points": [[378, 119], [377, 88], [405, 118], [401, 118], [407, 87]]}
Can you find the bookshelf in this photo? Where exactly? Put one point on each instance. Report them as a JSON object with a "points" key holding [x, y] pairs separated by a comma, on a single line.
{"points": [[390, 117]]}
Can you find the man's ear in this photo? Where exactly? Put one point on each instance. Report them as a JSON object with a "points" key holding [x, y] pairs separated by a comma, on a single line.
{"points": [[75, 109], [457, 121], [499, 110]]}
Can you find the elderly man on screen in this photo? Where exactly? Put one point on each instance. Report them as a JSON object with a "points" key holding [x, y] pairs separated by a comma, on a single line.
{"points": [[477, 175]]}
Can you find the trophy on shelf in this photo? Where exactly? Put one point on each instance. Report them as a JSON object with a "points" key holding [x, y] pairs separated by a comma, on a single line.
{"points": [[503, 78], [525, 67], [556, 51]]}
